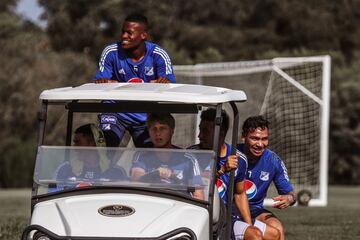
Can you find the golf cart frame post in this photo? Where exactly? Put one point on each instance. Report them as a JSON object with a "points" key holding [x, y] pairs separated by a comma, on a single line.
{"points": [[76, 106]]}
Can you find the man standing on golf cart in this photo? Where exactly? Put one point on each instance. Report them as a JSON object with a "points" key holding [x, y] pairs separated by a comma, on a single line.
{"points": [[133, 59], [265, 166], [242, 229], [166, 166]]}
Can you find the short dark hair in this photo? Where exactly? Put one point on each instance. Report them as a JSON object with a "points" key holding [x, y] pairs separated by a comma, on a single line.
{"points": [[86, 130], [164, 118], [210, 114], [254, 122], [138, 18]]}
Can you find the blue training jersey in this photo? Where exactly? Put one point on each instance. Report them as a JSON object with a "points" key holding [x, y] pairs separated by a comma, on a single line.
{"points": [[223, 181], [184, 166], [269, 168], [114, 64]]}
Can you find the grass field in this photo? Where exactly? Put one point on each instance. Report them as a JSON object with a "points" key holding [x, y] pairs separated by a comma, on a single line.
{"points": [[339, 220]]}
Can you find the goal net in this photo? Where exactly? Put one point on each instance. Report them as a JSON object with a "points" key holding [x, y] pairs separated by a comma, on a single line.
{"points": [[293, 94]]}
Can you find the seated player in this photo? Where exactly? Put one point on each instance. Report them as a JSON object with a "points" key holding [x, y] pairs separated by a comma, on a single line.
{"points": [[166, 166], [87, 164], [265, 167], [242, 227]]}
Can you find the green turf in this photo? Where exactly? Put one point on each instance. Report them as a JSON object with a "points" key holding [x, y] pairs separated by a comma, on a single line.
{"points": [[339, 220], [14, 212]]}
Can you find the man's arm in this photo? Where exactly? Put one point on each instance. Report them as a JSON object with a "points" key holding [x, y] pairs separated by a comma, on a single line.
{"points": [[137, 173], [105, 80], [286, 197], [105, 70], [230, 164], [164, 68], [284, 201], [242, 202], [161, 80], [199, 194]]}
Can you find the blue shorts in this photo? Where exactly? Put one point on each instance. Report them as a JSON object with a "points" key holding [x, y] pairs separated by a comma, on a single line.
{"points": [[257, 211], [114, 130]]}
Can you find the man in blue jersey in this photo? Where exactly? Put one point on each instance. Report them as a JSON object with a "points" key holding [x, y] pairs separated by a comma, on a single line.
{"points": [[242, 229], [168, 167], [135, 60], [265, 166], [87, 164]]}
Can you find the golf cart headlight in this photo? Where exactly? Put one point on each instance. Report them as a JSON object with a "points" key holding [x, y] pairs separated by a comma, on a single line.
{"points": [[40, 236]]}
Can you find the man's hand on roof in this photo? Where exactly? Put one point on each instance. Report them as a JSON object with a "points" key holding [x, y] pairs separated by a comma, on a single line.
{"points": [[105, 80], [161, 80]]}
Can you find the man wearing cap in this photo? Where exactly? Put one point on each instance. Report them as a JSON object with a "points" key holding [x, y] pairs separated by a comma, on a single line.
{"points": [[87, 164]]}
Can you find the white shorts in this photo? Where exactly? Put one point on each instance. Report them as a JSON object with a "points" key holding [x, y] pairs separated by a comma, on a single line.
{"points": [[240, 227], [260, 225]]}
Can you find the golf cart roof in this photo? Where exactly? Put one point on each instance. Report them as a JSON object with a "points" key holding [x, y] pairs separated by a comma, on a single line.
{"points": [[181, 93]]}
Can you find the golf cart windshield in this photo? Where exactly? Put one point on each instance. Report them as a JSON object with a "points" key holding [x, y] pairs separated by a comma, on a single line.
{"points": [[60, 168]]}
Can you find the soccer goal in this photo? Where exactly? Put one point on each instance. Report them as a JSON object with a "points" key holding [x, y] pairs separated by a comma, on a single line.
{"points": [[294, 95]]}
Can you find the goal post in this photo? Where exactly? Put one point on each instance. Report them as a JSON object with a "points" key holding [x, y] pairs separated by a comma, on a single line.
{"points": [[294, 94]]}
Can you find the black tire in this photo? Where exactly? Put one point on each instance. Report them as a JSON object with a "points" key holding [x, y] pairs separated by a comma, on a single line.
{"points": [[40, 236]]}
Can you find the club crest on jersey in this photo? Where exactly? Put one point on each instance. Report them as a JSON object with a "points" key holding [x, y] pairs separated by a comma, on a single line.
{"points": [[250, 188], [179, 174], [149, 71], [264, 176]]}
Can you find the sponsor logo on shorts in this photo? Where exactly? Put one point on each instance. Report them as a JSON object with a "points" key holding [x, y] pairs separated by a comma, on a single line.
{"points": [[106, 126], [108, 119]]}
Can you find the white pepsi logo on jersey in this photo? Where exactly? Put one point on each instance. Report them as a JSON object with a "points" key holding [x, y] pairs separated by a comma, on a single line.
{"points": [[264, 176], [221, 186], [250, 188], [121, 71], [149, 71]]}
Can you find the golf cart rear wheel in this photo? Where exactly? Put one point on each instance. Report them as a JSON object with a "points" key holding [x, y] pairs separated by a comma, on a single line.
{"points": [[304, 197]]}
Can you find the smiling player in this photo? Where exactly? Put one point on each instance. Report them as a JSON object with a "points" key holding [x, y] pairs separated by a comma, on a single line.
{"points": [[136, 60], [264, 167]]}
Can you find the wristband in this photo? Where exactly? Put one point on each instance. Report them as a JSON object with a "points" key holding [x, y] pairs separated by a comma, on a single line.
{"points": [[220, 172], [291, 198]]}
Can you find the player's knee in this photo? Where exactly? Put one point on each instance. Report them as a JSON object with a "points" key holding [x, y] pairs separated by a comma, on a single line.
{"points": [[278, 229], [253, 233], [273, 234]]}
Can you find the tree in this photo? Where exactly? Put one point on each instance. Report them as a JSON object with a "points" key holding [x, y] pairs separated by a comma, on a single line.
{"points": [[28, 66]]}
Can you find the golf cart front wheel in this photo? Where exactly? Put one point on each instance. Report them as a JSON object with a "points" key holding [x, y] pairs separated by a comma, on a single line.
{"points": [[41, 236]]}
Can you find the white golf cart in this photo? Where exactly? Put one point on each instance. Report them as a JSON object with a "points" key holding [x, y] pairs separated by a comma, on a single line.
{"points": [[113, 206]]}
